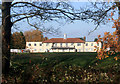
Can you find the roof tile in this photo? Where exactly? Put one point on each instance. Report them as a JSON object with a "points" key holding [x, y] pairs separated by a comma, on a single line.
{"points": [[62, 40]]}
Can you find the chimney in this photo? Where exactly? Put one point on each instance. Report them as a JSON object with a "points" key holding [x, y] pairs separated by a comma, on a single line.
{"points": [[65, 36], [84, 38]]}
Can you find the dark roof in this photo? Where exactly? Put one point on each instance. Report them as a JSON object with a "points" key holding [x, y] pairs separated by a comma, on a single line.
{"points": [[62, 40]]}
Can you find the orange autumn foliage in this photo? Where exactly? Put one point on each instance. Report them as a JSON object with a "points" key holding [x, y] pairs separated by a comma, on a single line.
{"points": [[34, 36], [110, 46], [111, 43], [112, 14], [17, 41]]}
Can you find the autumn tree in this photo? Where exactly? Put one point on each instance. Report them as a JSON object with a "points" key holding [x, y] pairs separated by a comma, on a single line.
{"points": [[111, 42], [18, 40], [110, 46], [34, 36]]}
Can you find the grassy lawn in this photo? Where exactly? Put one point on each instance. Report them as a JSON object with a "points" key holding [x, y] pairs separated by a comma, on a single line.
{"points": [[55, 59], [60, 59], [42, 68]]}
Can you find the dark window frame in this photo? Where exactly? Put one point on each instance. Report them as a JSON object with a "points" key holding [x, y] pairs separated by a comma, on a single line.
{"points": [[40, 44], [86, 44], [29, 44], [78, 44], [91, 44], [35, 44]]}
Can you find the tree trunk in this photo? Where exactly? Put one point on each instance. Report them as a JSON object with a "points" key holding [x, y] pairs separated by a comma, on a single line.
{"points": [[6, 33]]}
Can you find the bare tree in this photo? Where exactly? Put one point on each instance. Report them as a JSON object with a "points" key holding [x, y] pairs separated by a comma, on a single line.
{"points": [[44, 11]]}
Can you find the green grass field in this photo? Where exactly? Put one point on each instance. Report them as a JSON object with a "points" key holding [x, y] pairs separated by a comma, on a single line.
{"points": [[63, 67], [55, 59], [60, 59]]}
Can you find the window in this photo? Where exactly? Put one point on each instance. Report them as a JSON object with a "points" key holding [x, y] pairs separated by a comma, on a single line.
{"points": [[66, 44], [29, 44], [35, 44], [92, 49], [72, 43], [97, 44], [86, 49], [86, 44], [35, 49], [78, 44], [55, 44], [47, 44], [91, 44], [40, 44], [61, 44]]}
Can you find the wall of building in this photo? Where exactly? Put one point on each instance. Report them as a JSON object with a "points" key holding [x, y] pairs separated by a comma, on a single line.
{"points": [[35, 46], [90, 46], [16, 50], [62, 50], [79, 47]]}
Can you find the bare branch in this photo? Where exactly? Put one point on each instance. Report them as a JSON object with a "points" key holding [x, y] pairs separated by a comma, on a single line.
{"points": [[49, 30], [22, 18], [51, 12]]}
